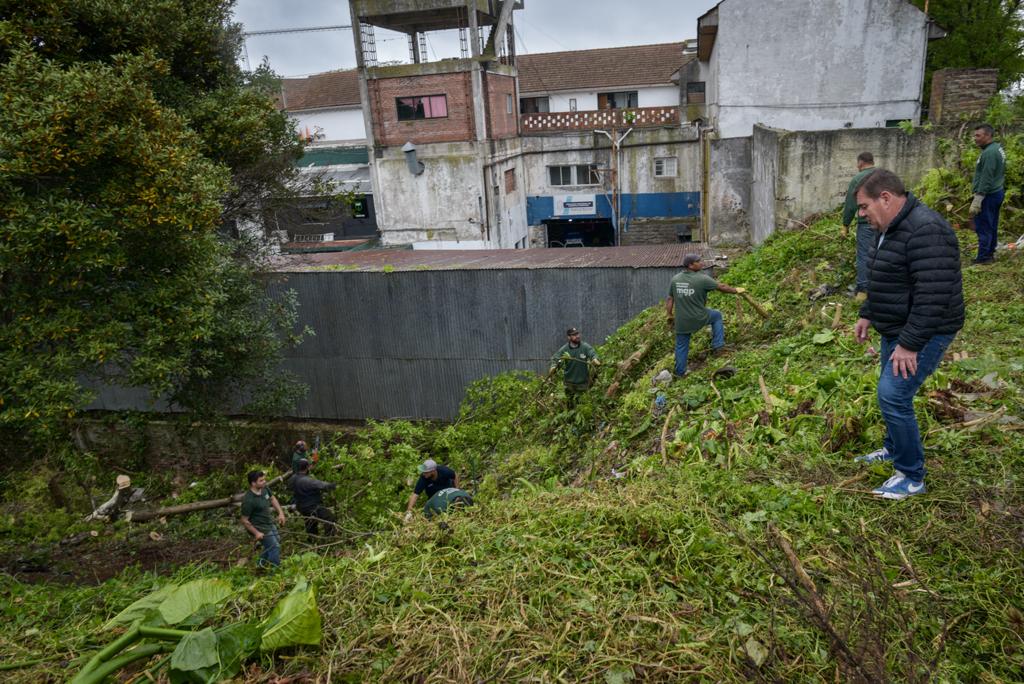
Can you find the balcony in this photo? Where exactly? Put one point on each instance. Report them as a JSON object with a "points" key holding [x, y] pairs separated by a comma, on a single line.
{"points": [[637, 117]]}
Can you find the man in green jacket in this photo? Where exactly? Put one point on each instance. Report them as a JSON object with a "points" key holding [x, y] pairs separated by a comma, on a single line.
{"points": [[578, 360], [865, 234], [988, 192]]}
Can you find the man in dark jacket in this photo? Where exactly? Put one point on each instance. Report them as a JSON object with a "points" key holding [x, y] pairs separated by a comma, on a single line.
{"points": [[916, 303], [308, 492]]}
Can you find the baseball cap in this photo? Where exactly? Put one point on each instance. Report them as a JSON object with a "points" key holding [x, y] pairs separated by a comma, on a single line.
{"points": [[427, 466], [123, 482], [691, 259], [572, 331], [303, 464]]}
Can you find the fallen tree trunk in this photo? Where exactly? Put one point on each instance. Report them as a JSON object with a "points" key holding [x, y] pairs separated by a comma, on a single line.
{"points": [[145, 516], [636, 357], [757, 307]]}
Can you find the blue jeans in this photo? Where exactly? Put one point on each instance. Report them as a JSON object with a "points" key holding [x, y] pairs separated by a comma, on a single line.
{"points": [[865, 241], [896, 401], [271, 544], [986, 225], [683, 340]]}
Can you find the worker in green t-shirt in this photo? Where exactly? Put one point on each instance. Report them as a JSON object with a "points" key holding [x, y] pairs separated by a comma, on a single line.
{"points": [[865, 233], [989, 188], [258, 507], [578, 360], [687, 294], [300, 453]]}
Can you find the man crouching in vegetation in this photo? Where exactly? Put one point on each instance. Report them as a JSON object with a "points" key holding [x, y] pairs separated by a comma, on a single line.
{"points": [[433, 478], [257, 518], [916, 303]]}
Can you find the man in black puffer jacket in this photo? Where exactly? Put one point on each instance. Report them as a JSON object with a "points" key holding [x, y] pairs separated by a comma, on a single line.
{"points": [[916, 303]]}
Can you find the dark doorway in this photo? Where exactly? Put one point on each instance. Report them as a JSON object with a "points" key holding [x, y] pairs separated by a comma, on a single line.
{"points": [[580, 232]]}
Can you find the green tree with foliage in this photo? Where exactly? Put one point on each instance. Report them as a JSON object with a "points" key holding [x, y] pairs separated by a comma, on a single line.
{"points": [[129, 140], [980, 34]]}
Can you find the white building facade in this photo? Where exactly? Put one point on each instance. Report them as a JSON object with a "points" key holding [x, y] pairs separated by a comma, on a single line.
{"points": [[821, 65]]}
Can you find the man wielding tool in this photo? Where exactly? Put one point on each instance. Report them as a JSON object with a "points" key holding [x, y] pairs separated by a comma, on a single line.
{"points": [[433, 478], [298, 454], [578, 360], [308, 492], [865, 235], [988, 189], [916, 303], [258, 519], [687, 294]]}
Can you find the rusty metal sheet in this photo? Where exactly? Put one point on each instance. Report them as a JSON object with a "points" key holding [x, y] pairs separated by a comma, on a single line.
{"points": [[645, 256]]}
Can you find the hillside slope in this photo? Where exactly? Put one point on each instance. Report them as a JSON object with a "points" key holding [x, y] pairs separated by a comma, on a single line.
{"points": [[728, 537]]}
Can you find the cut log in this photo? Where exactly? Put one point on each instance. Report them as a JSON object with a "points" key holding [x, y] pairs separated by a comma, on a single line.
{"points": [[147, 515], [111, 509], [757, 307]]}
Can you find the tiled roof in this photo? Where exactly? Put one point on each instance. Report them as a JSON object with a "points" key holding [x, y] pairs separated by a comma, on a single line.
{"points": [[329, 89], [638, 256], [636, 65]]}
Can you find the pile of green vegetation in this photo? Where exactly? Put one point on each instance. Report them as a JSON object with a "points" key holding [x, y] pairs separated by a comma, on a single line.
{"points": [[729, 536]]}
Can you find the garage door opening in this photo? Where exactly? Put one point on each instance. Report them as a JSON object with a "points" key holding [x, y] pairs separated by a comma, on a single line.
{"points": [[580, 232]]}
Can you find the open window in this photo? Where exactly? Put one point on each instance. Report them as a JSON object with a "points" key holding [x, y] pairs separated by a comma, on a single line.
{"points": [[623, 99], [422, 107]]}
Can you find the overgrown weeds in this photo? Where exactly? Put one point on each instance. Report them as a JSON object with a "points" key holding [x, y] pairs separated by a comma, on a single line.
{"points": [[727, 536]]}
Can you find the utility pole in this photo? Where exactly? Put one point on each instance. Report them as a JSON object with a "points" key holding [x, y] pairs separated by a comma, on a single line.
{"points": [[616, 162]]}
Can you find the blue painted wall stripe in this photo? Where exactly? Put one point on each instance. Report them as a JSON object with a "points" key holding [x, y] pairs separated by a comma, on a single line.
{"points": [[634, 205]]}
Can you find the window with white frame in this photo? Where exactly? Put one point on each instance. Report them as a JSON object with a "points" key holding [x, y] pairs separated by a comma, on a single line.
{"points": [[560, 175], [577, 174], [665, 167], [508, 104]]}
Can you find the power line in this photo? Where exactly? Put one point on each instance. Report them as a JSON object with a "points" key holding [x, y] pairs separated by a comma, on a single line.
{"points": [[308, 29]]}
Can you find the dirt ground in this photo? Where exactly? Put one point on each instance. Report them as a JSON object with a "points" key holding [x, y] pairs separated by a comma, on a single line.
{"points": [[94, 561]]}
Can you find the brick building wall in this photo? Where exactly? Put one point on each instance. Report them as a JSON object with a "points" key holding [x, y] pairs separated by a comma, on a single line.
{"points": [[457, 126], [499, 91], [656, 232], [960, 93]]}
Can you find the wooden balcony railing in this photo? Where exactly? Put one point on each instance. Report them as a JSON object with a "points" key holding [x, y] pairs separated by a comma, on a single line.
{"points": [[637, 117]]}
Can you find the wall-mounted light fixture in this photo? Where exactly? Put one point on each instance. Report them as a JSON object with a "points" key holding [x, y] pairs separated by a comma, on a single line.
{"points": [[415, 167]]}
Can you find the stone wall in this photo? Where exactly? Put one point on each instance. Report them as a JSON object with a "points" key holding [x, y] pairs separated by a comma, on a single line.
{"points": [[187, 450], [961, 93], [659, 232]]}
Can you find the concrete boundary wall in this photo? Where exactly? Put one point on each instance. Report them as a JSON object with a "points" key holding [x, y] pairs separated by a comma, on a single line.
{"points": [[406, 344], [799, 173]]}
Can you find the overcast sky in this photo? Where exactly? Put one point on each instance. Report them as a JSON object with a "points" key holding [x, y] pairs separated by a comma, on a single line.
{"points": [[543, 26]]}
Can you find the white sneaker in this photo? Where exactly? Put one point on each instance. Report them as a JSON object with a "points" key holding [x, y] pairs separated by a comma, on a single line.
{"points": [[899, 486], [875, 456]]}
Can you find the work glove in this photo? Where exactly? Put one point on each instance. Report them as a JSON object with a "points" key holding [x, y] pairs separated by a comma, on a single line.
{"points": [[551, 372], [408, 517], [740, 290], [976, 204]]}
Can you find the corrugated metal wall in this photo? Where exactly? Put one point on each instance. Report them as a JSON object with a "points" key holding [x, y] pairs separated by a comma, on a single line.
{"points": [[406, 344]]}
